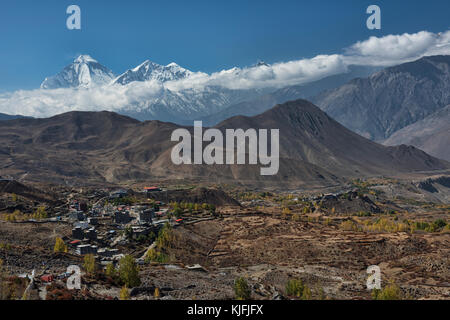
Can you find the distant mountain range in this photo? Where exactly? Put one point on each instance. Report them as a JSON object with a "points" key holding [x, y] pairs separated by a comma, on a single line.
{"points": [[85, 71], [378, 106], [372, 102], [98, 147], [165, 104]]}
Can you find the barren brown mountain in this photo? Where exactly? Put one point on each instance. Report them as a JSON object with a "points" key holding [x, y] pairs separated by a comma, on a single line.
{"points": [[92, 147]]}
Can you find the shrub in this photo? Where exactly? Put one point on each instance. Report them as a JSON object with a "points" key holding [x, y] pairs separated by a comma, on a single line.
{"points": [[241, 289], [390, 292], [153, 255], [440, 223], [349, 225], [306, 293], [124, 293], [296, 288], [111, 270]]}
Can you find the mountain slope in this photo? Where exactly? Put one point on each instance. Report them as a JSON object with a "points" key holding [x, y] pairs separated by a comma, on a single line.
{"points": [[431, 134], [309, 134], [83, 72], [93, 147], [391, 99]]}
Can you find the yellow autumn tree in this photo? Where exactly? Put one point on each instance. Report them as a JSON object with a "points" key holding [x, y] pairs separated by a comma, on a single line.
{"points": [[89, 263], [124, 293], [60, 246]]}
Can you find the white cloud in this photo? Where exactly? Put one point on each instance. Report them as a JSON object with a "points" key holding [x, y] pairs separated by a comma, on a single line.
{"points": [[43, 103], [276, 75], [395, 49], [383, 51]]}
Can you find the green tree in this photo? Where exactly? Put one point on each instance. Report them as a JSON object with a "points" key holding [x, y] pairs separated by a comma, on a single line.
{"points": [[241, 289], [89, 263], [129, 272]]}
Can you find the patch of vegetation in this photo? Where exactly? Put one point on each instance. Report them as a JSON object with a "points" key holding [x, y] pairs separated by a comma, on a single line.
{"points": [[124, 293], [166, 237], [390, 292], [111, 270], [153, 255], [129, 272], [241, 289], [60, 246], [296, 288], [124, 201], [89, 263], [5, 246], [348, 225], [363, 214], [392, 225], [17, 215]]}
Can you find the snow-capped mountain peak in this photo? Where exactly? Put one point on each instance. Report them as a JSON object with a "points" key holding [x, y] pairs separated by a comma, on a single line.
{"points": [[84, 71], [85, 58], [149, 70]]}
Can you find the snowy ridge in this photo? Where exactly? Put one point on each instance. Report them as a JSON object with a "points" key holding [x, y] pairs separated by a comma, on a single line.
{"points": [[153, 71]]}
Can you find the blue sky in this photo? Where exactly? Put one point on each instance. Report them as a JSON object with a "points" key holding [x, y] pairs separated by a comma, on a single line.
{"points": [[199, 35]]}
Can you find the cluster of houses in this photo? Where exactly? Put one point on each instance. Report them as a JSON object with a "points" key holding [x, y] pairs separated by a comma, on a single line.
{"points": [[100, 228]]}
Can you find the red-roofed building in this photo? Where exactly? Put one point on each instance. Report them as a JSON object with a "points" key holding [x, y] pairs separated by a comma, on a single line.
{"points": [[47, 278]]}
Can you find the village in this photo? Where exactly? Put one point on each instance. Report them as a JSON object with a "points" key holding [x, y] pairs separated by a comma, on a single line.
{"points": [[109, 225], [191, 242]]}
